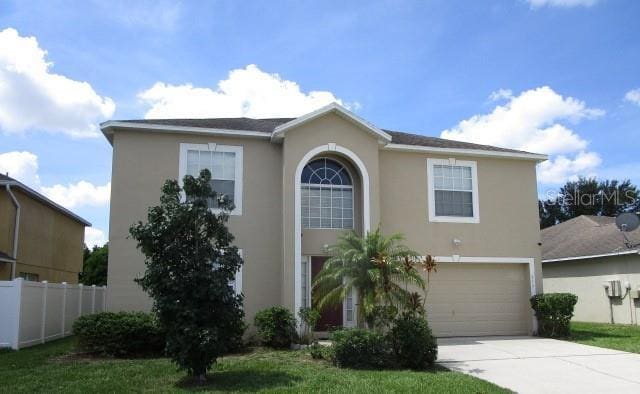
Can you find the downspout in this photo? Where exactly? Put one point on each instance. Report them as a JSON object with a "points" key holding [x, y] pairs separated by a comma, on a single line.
{"points": [[16, 230]]}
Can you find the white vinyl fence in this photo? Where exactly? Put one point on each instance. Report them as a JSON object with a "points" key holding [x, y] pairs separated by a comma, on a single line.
{"points": [[38, 312]]}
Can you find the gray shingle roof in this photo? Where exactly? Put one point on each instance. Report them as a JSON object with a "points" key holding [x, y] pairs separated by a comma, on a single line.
{"points": [[269, 124], [584, 236], [4, 179]]}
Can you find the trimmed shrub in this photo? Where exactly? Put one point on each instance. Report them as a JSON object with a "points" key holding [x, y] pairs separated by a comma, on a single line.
{"points": [[413, 344], [317, 351], [358, 348], [121, 334], [554, 312], [276, 327]]}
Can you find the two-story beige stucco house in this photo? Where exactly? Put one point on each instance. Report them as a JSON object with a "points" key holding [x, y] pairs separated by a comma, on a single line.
{"points": [[297, 183]]}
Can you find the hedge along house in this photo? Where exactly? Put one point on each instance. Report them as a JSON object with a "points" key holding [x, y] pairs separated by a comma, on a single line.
{"points": [[298, 183], [589, 257], [39, 239]]}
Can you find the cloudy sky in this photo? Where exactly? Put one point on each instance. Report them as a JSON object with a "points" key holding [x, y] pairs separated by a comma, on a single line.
{"points": [[559, 77]]}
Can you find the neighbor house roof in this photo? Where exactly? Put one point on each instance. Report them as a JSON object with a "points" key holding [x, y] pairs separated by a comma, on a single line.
{"points": [[274, 127], [6, 258], [7, 180], [585, 237]]}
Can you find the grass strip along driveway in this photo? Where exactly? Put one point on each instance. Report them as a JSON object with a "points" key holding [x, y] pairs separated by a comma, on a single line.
{"points": [[612, 336], [56, 367]]}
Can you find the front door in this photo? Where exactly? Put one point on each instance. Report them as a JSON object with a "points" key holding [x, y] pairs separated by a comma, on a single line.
{"points": [[330, 316]]}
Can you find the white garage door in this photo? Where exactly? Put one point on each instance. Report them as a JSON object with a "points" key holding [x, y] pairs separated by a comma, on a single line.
{"points": [[471, 299]]}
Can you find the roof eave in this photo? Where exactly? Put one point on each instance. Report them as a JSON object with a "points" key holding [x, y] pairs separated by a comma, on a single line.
{"points": [[46, 200], [109, 127], [538, 158], [594, 256]]}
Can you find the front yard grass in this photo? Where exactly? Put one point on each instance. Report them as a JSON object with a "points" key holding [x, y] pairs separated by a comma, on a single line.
{"points": [[612, 336], [54, 367]]}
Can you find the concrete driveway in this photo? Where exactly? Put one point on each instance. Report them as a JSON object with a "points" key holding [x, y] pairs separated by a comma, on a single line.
{"points": [[538, 365]]}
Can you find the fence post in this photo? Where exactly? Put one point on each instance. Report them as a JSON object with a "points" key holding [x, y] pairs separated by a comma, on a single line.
{"points": [[104, 298], [44, 310], [64, 308], [81, 290], [18, 282], [93, 299]]}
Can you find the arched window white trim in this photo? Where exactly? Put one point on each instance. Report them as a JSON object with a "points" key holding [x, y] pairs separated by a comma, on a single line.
{"points": [[297, 221], [326, 195]]}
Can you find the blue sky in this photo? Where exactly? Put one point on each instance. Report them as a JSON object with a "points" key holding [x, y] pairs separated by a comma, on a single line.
{"points": [[555, 76]]}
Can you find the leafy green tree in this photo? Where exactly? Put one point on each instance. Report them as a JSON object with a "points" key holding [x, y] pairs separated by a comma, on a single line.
{"points": [[588, 196], [94, 267], [190, 262], [375, 265]]}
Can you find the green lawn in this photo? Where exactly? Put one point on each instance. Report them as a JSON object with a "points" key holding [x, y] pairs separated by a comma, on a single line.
{"points": [[612, 336], [53, 368]]}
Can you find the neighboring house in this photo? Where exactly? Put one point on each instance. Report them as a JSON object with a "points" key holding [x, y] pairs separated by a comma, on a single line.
{"points": [[49, 241], [588, 256], [297, 183]]}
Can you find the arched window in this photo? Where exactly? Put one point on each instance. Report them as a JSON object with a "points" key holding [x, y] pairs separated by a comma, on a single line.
{"points": [[327, 195]]}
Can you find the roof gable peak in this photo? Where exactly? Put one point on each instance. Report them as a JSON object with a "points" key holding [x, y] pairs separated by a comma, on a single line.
{"points": [[280, 131]]}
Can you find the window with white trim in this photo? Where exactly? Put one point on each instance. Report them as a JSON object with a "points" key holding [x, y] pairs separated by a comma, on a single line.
{"points": [[225, 164], [326, 195], [453, 191]]}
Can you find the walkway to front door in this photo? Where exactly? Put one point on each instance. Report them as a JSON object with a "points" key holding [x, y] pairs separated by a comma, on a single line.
{"points": [[329, 317], [540, 365]]}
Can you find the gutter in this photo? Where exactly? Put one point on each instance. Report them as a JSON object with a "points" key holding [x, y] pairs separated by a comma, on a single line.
{"points": [[593, 256], [16, 231]]}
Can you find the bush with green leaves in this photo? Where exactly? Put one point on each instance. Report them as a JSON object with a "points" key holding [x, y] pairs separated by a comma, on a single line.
{"points": [[120, 334], [413, 344], [309, 317], [554, 312], [318, 351], [190, 264], [276, 327], [360, 348]]}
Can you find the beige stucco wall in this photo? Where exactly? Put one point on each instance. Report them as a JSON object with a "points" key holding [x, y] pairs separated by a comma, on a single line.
{"points": [[7, 212], [508, 208], [141, 164], [585, 278], [50, 244]]}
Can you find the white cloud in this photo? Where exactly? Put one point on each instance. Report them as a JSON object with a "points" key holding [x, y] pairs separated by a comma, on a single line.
{"points": [[501, 94], [561, 3], [532, 121], [247, 92], [157, 15], [23, 166], [560, 169], [32, 97], [94, 237], [633, 96], [82, 193]]}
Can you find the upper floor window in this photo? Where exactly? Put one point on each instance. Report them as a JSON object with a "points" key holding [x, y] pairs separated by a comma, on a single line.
{"points": [[29, 276], [327, 195], [453, 191], [225, 164]]}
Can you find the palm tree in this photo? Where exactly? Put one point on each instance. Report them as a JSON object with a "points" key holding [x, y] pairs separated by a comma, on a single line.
{"points": [[379, 268]]}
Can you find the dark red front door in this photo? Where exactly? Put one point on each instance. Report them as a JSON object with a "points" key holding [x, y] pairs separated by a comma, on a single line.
{"points": [[331, 316]]}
